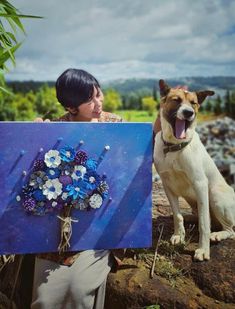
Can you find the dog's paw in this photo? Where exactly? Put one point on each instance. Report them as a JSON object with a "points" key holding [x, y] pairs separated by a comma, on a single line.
{"points": [[218, 236], [201, 255], [177, 239]]}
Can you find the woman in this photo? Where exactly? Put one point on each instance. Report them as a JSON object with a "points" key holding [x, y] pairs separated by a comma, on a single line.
{"points": [[75, 279]]}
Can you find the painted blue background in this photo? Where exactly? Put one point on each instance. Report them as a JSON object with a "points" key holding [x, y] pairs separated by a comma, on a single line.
{"points": [[124, 222]]}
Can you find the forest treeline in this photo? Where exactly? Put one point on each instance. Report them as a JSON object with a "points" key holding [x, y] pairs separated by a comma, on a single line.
{"points": [[35, 99]]}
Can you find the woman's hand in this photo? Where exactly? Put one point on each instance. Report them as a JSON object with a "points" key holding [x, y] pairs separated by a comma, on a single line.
{"points": [[41, 120]]}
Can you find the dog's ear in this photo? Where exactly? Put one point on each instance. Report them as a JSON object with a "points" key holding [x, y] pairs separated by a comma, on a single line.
{"points": [[164, 88], [201, 95]]}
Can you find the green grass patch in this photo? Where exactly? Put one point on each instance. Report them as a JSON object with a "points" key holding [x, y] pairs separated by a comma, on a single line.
{"points": [[136, 116], [207, 116], [166, 269], [143, 116]]}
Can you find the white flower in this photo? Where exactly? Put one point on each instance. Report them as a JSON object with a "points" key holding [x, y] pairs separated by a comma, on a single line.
{"points": [[91, 179], [52, 188], [53, 204], [52, 158], [64, 196], [95, 201], [79, 172]]}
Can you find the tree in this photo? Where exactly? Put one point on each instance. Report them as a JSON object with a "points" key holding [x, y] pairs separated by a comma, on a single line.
{"points": [[155, 89], [24, 107], [149, 104], [46, 104], [217, 105], [207, 106], [112, 100], [229, 103], [232, 106], [7, 109]]}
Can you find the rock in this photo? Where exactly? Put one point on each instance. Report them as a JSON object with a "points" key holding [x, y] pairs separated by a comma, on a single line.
{"points": [[216, 277], [186, 284], [218, 136], [135, 289], [215, 131]]}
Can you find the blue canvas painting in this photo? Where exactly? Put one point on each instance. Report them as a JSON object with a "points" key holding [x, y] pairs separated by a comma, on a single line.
{"points": [[90, 180]]}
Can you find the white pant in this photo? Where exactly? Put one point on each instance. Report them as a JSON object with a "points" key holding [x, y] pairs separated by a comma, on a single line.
{"points": [[80, 286]]}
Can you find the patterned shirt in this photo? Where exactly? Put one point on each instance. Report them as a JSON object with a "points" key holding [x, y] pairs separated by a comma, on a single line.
{"points": [[68, 258], [104, 117]]}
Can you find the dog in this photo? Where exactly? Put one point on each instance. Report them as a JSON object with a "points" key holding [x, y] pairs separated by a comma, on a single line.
{"points": [[187, 170]]}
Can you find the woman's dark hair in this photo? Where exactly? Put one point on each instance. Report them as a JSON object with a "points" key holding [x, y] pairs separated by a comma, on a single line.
{"points": [[74, 87]]}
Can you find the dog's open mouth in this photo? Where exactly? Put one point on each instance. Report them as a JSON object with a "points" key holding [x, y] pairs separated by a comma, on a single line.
{"points": [[180, 127]]}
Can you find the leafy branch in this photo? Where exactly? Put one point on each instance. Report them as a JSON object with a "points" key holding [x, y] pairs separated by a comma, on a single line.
{"points": [[11, 17]]}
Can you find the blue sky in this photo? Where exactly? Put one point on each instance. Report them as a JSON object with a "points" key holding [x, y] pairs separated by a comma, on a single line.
{"points": [[113, 40]]}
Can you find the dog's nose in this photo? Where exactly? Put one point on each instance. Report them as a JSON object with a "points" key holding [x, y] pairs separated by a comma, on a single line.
{"points": [[188, 113]]}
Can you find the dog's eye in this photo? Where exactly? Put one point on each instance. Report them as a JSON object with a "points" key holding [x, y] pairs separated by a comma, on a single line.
{"points": [[177, 100], [193, 102]]}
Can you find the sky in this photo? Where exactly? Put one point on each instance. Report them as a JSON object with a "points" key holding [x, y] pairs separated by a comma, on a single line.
{"points": [[126, 39]]}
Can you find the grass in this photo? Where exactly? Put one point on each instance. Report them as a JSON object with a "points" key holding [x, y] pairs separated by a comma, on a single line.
{"points": [[143, 116], [165, 268], [169, 250], [136, 116], [206, 116]]}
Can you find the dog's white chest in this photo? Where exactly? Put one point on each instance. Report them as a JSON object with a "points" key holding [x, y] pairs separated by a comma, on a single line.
{"points": [[173, 173], [172, 170]]}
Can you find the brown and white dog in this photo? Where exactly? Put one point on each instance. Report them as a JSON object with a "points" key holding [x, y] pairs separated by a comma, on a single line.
{"points": [[187, 170]]}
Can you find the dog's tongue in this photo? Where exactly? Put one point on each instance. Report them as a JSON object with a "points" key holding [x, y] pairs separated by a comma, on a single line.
{"points": [[180, 128]]}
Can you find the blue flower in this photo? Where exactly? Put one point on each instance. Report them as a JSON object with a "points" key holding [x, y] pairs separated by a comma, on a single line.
{"points": [[105, 194], [91, 164], [67, 154], [40, 210], [39, 196], [52, 173], [27, 191], [77, 190], [66, 168], [92, 180]]}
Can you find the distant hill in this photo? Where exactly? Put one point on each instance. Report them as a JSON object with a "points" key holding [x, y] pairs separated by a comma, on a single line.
{"points": [[194, 83], [124, 86], [26, 86]]}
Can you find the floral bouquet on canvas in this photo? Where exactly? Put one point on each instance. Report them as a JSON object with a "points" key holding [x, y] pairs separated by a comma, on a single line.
{"points": [[61, 180]]}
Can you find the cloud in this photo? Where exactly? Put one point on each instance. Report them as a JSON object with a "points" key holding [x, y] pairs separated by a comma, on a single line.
{"points": [[127, 39]]}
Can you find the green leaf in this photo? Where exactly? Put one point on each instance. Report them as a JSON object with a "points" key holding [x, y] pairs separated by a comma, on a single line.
{"points": [[19, 15], [11, 35], [6, 91], [5, 40], [8, 54]]}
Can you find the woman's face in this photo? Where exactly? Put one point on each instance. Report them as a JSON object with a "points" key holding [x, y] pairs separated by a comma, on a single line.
{"points": [[93, 108]]}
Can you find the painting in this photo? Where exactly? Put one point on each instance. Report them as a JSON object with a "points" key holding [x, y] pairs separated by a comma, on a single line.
{"points": [[97, 173]]}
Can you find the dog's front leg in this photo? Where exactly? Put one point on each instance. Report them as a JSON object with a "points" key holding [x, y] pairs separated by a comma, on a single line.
{"points": [[179, 231], [201, 190]]}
